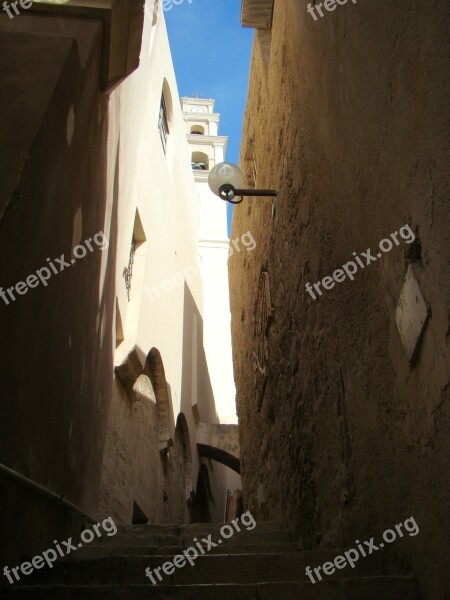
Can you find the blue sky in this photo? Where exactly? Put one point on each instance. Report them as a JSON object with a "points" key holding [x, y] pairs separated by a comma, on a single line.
{"points": [[211, 53]]}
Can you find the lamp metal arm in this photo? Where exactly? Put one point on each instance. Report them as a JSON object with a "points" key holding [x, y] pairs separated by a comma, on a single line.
{"points": [[229, 192]]}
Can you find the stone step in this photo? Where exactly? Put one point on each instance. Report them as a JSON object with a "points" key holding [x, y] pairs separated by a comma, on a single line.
{"points": [[195, 529], [144, 538], [371, 588], [124, 551], [207, 569]]}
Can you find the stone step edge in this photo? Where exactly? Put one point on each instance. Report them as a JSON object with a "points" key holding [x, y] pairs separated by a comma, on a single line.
{"points": [[143, 551], [264, 555], [148, 546], [350, 580], [283, 524]]}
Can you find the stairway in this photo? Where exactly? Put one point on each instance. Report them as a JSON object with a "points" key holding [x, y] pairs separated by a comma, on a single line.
{"points": [[262, 564]]}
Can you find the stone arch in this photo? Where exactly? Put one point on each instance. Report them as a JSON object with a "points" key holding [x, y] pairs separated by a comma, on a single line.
{"points": [[139, 382], [200, 161], [182, 432], [221, 456], [154, 369], [220, 443], [198, 130], [177, 465]]}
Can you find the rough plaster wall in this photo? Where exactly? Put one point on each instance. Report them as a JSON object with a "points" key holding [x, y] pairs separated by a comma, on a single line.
{"points": [[349, 123]]}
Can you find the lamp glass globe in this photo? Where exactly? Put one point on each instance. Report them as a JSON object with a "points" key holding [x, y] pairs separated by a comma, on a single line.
{"points": [[225, 173]]}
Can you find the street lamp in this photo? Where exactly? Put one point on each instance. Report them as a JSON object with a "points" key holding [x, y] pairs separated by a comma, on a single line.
{"points": [[226, 181]]}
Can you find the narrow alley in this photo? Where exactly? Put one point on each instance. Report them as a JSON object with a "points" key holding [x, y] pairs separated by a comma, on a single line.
{"points": [[224, 313]]}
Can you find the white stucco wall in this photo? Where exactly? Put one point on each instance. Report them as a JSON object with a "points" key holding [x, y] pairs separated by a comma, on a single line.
{"points": [[161, 187], [213, 251]]}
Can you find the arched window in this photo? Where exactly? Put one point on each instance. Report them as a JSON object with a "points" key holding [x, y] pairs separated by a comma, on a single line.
{"points": [[165, 115], [198, 130], [200, 161], [155, 12]]}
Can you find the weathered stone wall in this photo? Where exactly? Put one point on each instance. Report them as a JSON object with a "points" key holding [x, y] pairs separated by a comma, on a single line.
{"points": [[131, 461], [134, 469], [348, 121]]}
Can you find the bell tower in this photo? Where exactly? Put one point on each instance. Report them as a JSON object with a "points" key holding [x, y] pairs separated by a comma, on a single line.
{"points": [[202, 127], [208, 148]]}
